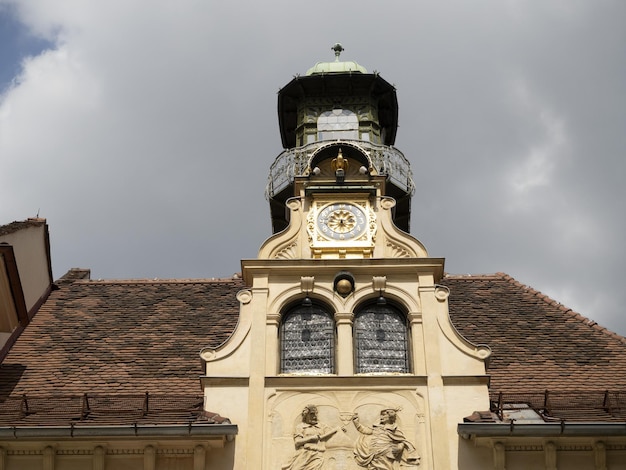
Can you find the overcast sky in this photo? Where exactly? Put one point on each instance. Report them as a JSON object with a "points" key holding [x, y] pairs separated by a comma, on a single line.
{"points": [[144, 130]]}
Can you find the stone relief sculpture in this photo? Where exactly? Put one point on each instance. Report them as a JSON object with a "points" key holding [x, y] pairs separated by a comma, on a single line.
{"points": [[383, 446], [310, 440]]}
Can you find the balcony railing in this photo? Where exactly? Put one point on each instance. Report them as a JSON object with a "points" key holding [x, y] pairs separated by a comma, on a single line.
{"points": [[387, 160], [94, 409]]}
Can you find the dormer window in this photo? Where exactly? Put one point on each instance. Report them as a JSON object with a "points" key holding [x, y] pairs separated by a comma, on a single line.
{"points": [[338, 124]]}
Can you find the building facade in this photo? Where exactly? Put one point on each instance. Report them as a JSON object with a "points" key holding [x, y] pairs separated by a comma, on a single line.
{"points": [[343, 345], [24, 285]]}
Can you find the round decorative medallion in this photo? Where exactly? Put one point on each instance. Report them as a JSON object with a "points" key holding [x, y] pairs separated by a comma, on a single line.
{"points": [[341, 221], [244, 296]]}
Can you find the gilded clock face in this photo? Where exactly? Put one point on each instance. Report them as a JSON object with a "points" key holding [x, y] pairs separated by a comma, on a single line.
{"points": [[341, 221]]}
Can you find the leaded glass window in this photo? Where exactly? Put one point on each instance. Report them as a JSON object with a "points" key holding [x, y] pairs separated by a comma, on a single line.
{"points": [[338, 124], [381, 340], [308, 341]]}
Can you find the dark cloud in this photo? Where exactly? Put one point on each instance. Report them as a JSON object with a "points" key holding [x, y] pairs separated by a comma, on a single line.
{"points": [[146, 133]]}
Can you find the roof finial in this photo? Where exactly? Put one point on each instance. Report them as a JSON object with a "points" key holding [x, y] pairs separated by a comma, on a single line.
{"points": [[338, 48]]}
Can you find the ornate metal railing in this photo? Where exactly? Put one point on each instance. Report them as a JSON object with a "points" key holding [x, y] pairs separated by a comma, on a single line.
{"points": [[387, 160], [570, 405], [104, 409]]}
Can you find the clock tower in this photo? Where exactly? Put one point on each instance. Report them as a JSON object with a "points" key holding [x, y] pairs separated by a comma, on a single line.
{"points": [[340, 170], [343, 323]]}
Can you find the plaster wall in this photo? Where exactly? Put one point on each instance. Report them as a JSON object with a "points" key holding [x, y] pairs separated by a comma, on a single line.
{"points": [[458, 400], [616, 459], [523, 460], [267, 405], [575, 459], [8, 313], [557, 453], [472, 457], [29, 247], [212, 453]]}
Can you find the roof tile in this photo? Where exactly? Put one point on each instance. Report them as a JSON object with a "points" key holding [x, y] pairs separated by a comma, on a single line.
{"points": [[119, 338], [536, 341]]}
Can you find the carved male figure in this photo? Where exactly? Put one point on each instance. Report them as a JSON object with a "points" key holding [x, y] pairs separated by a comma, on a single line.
{"points": [[383, 445], [310, 440]]}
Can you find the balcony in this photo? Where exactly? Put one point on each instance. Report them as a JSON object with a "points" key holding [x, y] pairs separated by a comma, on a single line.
{"points": [[388, 161]]}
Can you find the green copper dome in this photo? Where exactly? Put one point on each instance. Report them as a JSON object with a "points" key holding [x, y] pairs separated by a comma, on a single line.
{"points": [[337, 66]]}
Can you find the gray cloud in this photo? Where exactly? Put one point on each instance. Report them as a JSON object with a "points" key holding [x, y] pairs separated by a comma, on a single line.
{"points": [[146, 134]]}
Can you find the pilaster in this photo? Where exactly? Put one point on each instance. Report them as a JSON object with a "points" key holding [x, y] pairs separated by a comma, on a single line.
{"points": [[435, 389], [98, 458], [256, 389], [149, 458], [418, 350], [599, 452], [549, 451], [499, 456], [48, 458], [199, 458], [272, 324], [345, 354]]}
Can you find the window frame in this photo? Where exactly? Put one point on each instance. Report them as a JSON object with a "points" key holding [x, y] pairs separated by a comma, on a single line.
{"points": [[327, 129], [328, 367], [381, 369]]}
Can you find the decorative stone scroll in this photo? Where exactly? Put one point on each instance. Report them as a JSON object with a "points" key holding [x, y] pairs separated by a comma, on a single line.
{"points": [[290, 251]]}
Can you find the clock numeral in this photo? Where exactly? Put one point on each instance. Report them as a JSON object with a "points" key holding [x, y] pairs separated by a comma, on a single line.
{"points": [[341, 221]]}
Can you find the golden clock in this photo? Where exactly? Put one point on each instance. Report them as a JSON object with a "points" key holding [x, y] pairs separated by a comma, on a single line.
{"points": [[341, 221]]}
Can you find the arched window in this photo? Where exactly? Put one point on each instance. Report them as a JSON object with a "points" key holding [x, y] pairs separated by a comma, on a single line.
{"points": [[307, 341], [337, 124], [381, 340]]}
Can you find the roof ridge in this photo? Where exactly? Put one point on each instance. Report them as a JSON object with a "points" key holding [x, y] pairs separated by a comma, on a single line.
{"points": [[18, 225], [563, 308], [159, 281], [474, 276]]}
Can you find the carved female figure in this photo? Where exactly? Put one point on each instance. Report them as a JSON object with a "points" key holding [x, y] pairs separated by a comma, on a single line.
{"points": [[382, 445]]}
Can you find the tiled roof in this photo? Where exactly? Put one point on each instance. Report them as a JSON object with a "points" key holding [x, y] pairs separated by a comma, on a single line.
{"points": [[121, 337], [117, 340], [537, 343], [105, 410]]}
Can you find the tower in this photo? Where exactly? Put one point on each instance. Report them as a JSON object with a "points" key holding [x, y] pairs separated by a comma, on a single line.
{"points": [[339, 111], [338, 125], [343, 321]]}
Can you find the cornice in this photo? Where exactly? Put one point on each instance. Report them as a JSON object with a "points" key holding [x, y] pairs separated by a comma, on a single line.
{"points": [[207, 431], [465, 380], [353, 382], [330, 266]]}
